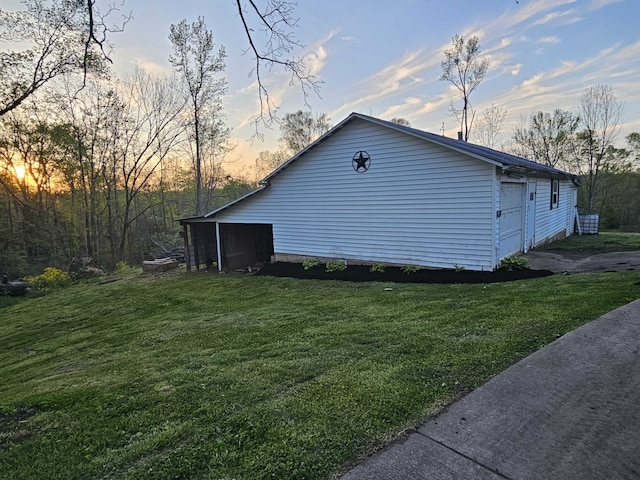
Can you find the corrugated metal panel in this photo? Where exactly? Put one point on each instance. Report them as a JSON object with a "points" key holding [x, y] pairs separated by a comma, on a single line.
{"points": [[418, 203]]}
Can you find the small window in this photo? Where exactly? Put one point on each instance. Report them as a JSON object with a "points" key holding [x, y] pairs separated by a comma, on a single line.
{"points": [[555, 193]]}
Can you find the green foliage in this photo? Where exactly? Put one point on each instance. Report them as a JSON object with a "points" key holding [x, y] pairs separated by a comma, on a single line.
{"points": [[458, 268], [377, 268], [336, 266], [122, 267], [514, 263], [309, 264], [409, 269], [549, 139], [51, 278], [603, 242], [11, 262]]}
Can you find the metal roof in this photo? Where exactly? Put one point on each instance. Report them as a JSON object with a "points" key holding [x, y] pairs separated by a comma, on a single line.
{"points": [[508, 162], [478, 151]]}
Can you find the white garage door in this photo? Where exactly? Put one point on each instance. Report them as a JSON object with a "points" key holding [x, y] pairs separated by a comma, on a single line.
{"points": [[512, 211]]}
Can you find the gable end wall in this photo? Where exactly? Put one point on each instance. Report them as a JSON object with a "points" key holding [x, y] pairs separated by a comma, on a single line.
{"points": [[418, 204]]}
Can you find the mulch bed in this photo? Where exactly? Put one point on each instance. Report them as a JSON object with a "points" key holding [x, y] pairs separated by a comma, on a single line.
{"points": [[361, 273]]}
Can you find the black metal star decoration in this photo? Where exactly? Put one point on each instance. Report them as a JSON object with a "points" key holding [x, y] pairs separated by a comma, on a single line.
{"points": [[361, 161]]}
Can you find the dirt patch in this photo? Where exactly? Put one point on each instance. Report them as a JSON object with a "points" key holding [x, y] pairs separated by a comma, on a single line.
{"points": [[13, 427], [362, 273], [574, 262]]}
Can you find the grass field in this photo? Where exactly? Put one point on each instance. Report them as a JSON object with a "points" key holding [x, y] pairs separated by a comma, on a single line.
{"points": [[603, 242], [226, 377]]}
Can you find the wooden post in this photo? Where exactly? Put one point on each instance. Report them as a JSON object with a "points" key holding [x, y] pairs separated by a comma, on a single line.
{"points": [[219, 247], [187, 253]]}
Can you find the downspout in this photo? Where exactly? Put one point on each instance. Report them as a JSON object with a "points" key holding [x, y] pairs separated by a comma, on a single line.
{"points": [[495, 232]]}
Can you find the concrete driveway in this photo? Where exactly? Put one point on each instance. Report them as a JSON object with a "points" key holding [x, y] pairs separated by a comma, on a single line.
{"points": [[569, 411]]}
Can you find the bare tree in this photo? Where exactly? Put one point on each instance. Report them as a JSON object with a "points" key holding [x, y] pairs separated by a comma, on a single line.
{"points": [[601, 114], [119, 134], [149, 132], [88, 166], [276, 20], [549, 139], [268, 161], [215, 149], [72, 36], [301, 128], [195, 59], [64, 37], [465, 70], [490, 126]]}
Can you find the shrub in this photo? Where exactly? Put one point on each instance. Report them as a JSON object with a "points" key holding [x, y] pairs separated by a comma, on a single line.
{"points": [[336, 266], [408, 269], [49, 279], [377, 267], [514, 263], [122, 267], [309, 264]]}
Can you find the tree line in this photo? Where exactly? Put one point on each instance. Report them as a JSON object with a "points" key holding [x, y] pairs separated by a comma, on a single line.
{"points": [[585, 142], [103, 167], [102, 173]]}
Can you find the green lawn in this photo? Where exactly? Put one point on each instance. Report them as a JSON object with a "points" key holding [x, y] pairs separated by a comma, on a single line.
{"points": [[601, 243], [224, 377]]}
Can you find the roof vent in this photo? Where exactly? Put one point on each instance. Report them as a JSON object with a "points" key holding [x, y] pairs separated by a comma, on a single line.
{"points": [[460, 136]]}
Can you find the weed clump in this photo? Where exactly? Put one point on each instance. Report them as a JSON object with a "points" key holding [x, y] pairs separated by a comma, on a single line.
{"points": [[336, 266], [309, 264], [514, 263]]}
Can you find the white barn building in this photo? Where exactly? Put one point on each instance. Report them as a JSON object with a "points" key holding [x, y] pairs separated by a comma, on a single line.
{"points": [[371, 191]]}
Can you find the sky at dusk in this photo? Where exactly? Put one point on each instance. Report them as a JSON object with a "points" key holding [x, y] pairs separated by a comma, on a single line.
{"points": [[383, 58]]}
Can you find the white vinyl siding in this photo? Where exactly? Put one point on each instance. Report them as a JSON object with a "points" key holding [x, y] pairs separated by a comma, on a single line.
{"points": [[552, 222], [418, 203]]}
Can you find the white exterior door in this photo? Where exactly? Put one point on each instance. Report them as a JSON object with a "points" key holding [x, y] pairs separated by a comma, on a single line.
{"points": [[511, 219]]}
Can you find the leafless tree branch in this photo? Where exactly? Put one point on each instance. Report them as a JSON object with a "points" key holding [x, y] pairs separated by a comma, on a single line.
{"points": [[276, 20]]}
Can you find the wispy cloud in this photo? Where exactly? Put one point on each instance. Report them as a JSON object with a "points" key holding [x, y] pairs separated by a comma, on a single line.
{"points": [[404, 109], [598, 4], [145, 64], [560, 87], [400, 76], [552, 16], [548, 40], [529, 11], [316, 59]]}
